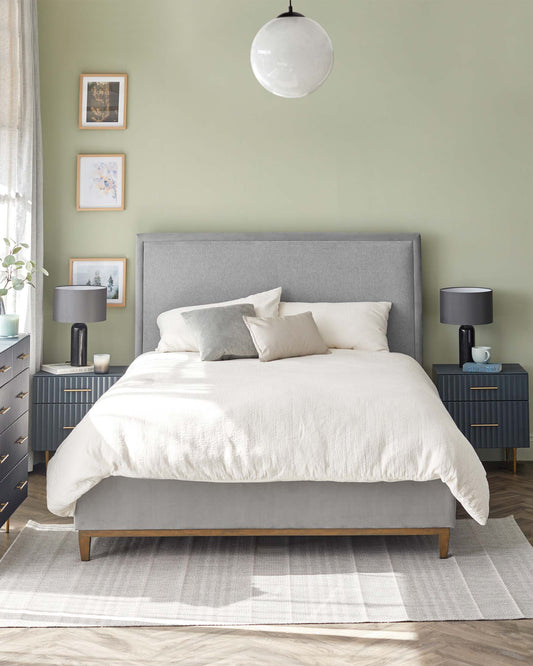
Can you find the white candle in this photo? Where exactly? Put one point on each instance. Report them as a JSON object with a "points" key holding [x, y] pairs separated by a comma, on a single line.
{"points": [[101, 363]]}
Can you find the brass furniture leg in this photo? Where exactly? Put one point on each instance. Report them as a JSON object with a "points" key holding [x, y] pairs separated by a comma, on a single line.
{"points": [[46, 458], [6, 525], [507, 455], [514, 460]]}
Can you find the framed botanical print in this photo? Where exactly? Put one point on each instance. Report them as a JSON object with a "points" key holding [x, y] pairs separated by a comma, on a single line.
{"points": [[109, 273], [100, 182], [103, 100]]}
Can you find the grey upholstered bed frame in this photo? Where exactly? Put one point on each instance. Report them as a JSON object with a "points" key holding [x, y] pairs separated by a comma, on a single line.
{"points": [[174, 270]]}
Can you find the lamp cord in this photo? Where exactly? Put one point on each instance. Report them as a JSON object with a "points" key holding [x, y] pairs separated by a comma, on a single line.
{"points": [[290, 6]]}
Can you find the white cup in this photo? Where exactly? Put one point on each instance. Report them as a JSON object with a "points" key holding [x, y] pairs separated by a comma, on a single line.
{"points": [[101, 363], [481, 354]]}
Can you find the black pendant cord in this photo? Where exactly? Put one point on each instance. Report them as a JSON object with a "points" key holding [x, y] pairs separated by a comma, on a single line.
{"points": [[289, 13]]}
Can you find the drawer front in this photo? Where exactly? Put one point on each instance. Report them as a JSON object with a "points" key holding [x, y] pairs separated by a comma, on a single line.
{"points": [[21, 356], [13, 489], [52, 423], [474, 387], [14, 399], [490, 425], [6, 366], [70, 390], [13, 444]]}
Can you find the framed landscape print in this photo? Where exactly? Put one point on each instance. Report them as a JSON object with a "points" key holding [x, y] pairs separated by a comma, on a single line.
{"points": [[109, 273], [100, 182], [103, 100]]}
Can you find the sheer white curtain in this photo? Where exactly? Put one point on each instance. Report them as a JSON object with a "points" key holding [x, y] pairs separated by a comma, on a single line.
{"points": [[20, 155]]}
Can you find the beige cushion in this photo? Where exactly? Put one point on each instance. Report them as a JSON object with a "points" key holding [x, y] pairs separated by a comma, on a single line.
{"points": [[176, 336], [282, 337], [357, 325]]}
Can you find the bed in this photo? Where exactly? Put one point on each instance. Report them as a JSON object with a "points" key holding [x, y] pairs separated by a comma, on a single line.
{"points": [[174, 270]]}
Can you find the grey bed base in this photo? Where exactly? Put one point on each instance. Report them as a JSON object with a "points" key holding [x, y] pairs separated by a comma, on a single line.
{"points": [[203, 268]]}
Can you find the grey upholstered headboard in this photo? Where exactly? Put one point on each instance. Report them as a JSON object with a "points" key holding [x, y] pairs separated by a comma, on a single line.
{"points": [[176, 269]]}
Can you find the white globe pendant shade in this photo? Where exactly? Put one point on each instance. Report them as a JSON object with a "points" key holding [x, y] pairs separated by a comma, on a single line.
{"points": [[291, 55]]}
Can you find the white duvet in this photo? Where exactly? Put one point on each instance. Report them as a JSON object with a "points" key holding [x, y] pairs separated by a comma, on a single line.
{"points": [[344, 416]]}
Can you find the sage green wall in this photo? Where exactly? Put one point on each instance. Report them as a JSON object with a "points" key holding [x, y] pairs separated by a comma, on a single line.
{"points": [[426, 124]]}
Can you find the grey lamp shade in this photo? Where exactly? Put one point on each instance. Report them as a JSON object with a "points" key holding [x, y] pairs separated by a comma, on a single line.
{"points": [[466, 305], [76, 303]]}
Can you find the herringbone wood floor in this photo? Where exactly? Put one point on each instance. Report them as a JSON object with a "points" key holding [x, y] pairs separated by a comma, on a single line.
{"points": [[424, 644]]}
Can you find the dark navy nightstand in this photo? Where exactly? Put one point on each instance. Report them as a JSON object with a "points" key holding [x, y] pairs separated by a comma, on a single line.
{"points": [[491, 410], [59, 402]]}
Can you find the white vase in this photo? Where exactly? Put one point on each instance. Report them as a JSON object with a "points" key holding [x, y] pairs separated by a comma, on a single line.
{"points": [[9, 325]]}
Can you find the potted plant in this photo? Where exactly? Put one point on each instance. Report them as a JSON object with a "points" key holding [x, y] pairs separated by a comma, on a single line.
{"points": [[15, 273]]}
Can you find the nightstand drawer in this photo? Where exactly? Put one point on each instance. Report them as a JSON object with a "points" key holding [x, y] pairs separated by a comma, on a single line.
{"points": [[14, 399], [13, 444], [51, 424], [492, 424], [477, 387], [13, 489], [71, 389]]}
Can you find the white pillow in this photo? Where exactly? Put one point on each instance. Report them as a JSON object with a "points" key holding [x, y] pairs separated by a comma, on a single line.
{"points": [[176, 336], [360, 326]]}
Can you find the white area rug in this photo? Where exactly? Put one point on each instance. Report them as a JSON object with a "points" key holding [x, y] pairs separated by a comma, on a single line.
{"points": [[266, 580]]}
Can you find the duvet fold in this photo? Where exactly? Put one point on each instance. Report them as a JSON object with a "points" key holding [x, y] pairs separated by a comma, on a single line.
{"points": [[347, 416]]}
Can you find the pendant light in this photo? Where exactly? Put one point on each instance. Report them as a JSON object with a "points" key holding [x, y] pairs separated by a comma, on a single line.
{"points": [[292, 55]]}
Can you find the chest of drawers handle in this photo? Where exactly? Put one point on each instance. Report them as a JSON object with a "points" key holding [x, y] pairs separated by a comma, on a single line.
{"points": [[483, 388], [68, 427], [22, 394], [3, 505], [77, 390], [21, 440], [21, 485], [4, 410], [4, 458], [5, 368], [22, 356], [484, 425]]}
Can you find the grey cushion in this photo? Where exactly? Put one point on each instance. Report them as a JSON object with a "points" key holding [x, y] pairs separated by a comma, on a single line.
{"points": [[221, 333]]}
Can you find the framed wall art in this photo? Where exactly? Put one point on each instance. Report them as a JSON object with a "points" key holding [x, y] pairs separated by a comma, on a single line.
{"points": [[103, 101], [100, 182], [109, 273]]}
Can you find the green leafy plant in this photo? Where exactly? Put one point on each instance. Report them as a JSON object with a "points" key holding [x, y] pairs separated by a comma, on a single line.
{"points": [[16, 272]]}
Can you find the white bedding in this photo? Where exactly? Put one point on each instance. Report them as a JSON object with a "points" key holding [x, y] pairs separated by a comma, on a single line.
{"points": [[345, 416]]}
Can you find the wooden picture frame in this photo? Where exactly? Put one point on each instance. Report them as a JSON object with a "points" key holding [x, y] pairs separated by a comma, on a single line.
{"points": [[101, 271], [103, 101], [100, 182]]}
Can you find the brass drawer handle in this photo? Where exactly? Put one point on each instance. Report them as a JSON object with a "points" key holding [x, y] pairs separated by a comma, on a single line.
{"points": [[3, 505], [5, 368], [4, 458], [77, 390], [483, 388], [68, 427], [21, 440], [484, 425], [22, 356], [21, 485], [22, 394], [4, 410]]}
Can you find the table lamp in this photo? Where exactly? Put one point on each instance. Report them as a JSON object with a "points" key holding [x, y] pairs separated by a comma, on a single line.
{"points": [[74, 304], [466, 306]]}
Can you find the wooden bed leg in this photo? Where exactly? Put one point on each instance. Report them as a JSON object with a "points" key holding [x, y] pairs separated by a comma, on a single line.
{"points": [[85, 546], [444, 542]]}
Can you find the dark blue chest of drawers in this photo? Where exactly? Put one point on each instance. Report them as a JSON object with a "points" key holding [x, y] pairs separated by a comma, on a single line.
{"points": [[14, 400], [491, 410], [60, 402]]}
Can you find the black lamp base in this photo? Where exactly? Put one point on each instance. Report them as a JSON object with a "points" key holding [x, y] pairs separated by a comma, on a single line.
{"points": [[467, 339], [78, 345]]}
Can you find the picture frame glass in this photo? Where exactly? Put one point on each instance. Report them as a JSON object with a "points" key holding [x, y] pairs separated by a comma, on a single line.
{"points": [[103, 101], [109, 273], [100, 182]]}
